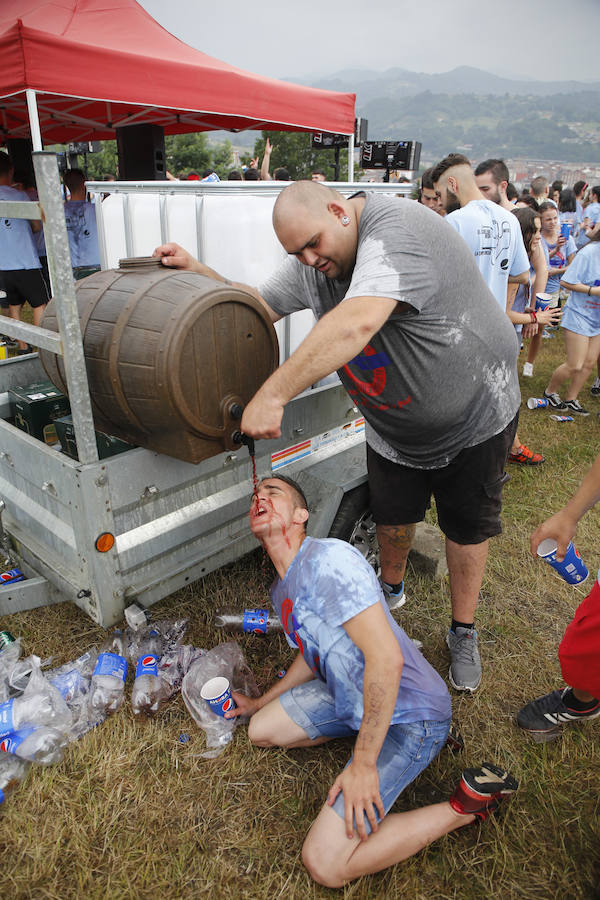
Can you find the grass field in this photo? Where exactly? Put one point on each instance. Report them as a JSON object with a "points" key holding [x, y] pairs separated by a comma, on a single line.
{"points": [[133, 813]]}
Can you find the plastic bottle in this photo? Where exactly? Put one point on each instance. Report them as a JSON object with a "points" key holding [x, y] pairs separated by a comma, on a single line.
{"points": [[73, 681], [258, 621], [39, 704], [10, 650], [12, 771], [149, 691], [108, 680], [36, 743]]}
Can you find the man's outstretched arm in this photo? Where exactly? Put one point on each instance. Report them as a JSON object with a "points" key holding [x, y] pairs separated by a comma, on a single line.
{"points": [[175, 257], [336, 338], [359, 781]]}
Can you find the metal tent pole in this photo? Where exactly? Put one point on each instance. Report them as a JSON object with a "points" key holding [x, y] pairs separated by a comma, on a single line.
{"points": [[34, 120], [350, 157]]}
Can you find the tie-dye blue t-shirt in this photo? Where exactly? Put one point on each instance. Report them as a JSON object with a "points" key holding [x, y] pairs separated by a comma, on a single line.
{"points": [[328, 583]]}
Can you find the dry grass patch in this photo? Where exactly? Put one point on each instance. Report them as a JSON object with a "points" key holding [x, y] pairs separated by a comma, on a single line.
{"points": [[132, 813]]}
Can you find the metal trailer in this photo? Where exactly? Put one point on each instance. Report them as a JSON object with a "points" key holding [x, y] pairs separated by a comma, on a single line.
{"points": [[172, 521]]}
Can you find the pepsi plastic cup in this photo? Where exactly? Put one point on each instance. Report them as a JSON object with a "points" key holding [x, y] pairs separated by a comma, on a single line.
{"points": [[537, 403], [217, 694], [542, 301], [572, 568]]}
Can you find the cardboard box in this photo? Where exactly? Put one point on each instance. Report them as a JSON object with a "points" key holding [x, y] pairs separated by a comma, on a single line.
{"points": [[36, 407], [107, 445]]}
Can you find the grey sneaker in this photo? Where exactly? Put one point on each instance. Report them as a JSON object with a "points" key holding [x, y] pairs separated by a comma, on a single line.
{"points": [[595, 388], [465, 663]]}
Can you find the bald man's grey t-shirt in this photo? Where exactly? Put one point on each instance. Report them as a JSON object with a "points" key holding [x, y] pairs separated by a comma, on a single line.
{"points": [[440, 375]]}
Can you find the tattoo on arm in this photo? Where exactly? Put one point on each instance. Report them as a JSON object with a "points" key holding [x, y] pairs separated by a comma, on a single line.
{"points": [[374, 697]]}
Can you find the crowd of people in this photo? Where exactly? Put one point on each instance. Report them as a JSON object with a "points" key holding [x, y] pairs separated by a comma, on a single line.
{"points": [[24, 275], [421, 308]]}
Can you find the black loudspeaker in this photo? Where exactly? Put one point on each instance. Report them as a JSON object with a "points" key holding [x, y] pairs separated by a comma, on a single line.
{"points": [[20, 150], [141, 150]]}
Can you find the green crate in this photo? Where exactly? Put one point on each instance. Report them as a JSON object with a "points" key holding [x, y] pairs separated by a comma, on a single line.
{"points": [[36, 407], [106, 443]]}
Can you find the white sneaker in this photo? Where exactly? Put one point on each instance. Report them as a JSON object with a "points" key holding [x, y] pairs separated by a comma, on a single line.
{"points": [[528, 369]]}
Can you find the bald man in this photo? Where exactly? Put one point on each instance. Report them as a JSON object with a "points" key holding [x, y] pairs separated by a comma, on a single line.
{"points": [[427, 355]]}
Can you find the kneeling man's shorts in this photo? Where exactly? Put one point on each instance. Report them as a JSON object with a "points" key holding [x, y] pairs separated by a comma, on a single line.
{"points": [[408, 747], [468, 491]]}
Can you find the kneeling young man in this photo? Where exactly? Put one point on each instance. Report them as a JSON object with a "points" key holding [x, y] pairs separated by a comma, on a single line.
{"points": [[356, 673]]}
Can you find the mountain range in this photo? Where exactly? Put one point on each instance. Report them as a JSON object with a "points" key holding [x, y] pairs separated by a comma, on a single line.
{"points": [[476, 111]]}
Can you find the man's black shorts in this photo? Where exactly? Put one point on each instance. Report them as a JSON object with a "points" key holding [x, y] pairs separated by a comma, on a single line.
{"points": [[22, 285], [468, 491]]}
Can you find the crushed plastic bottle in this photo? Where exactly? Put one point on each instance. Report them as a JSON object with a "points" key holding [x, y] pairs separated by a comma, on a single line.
{"points": [[73, 681], [9, 655], [36, 743], [39, 704], [12, 771], [108, 679], [257, 621]]}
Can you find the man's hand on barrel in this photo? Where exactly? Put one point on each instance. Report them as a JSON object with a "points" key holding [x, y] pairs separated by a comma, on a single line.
{"points": [[262, 416], [175, 256]]}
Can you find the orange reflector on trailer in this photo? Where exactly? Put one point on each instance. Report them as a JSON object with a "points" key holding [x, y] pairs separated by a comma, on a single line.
{"points": [[105, 542]]}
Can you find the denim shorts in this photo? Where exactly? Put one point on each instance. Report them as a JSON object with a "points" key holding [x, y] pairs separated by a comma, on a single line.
{"points": [[408, 748]]}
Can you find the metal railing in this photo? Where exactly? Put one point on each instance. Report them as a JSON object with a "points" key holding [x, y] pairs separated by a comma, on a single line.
{"points": [[67, 343]]}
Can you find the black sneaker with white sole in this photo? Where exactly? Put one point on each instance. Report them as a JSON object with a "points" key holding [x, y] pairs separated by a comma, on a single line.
{"points": [[555, 401], [595, 388], [543, 718], [576, 407]]}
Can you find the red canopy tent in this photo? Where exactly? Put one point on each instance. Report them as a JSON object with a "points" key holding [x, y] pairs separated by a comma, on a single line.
{"points": [[96, 65]]}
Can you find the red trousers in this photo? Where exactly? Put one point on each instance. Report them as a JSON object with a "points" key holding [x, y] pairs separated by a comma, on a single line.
{"points": [[579, 651]]}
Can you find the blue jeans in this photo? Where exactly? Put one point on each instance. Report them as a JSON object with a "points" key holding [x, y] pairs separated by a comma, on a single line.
{"points": [[407, 750]]}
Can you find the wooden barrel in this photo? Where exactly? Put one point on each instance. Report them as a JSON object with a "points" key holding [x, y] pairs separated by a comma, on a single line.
{"points": [[171, 356]]}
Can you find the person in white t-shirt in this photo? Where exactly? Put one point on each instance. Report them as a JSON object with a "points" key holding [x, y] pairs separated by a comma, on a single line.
{"points": [[20, 272], [495, 240]]}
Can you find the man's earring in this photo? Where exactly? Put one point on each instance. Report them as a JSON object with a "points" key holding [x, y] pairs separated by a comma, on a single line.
{"points": [[345, 220]]}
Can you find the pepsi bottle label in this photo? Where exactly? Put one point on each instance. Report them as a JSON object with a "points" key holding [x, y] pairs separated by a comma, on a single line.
{"points": [[147, 665], [13, 741], [256, 620], [111, 664], [11, 576], [6, 718]]}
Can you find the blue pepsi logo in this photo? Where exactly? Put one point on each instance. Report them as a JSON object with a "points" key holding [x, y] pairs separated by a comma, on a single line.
{"points": [[228, 705], [5, 745], [148, 661]]}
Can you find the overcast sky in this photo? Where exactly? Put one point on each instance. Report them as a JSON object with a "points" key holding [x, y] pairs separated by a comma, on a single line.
{"points": [[544, 39]]}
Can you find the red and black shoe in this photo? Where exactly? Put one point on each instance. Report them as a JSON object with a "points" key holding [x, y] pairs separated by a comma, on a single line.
{"points": [[481, 790], [526, 457]]}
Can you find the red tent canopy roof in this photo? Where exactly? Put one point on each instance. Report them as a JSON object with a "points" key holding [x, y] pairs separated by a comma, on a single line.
{"points": [[99, 64]]}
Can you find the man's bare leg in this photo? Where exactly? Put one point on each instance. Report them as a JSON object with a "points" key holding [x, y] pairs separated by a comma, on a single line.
{"points": [[272, 727], [466, 565], [15, 313], [395, 542], [333, 859]]}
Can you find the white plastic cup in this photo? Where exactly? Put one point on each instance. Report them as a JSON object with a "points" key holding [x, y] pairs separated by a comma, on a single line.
{"points": [[543, 301], [217, 694], [572, 568]]}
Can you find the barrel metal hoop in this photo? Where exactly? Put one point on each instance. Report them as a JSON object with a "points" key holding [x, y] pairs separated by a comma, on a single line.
{"points": [[115, 346]]}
